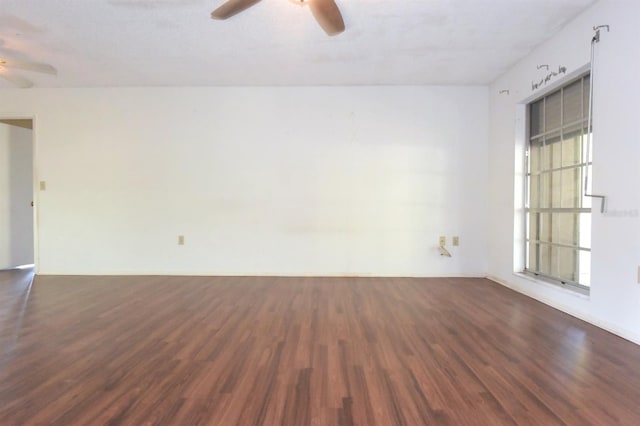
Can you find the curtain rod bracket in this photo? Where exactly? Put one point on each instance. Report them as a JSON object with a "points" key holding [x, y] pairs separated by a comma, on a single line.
{"points": [[596, 37]]}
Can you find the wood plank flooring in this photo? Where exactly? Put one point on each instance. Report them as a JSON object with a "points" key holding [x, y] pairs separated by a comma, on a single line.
{"points": [[302, 351]]}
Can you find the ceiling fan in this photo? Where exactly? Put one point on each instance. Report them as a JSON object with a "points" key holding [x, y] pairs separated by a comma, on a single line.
{"points": [[7, 64], [326, 12]]}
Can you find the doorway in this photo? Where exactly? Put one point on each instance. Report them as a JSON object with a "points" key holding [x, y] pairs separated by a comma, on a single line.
{"points": [[17, 216]]}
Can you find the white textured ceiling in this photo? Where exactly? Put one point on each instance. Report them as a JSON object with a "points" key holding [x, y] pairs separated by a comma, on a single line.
{"points": [[96, 43]]}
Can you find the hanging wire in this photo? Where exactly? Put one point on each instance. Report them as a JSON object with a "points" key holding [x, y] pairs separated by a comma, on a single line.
{"points": [[595, 40]]}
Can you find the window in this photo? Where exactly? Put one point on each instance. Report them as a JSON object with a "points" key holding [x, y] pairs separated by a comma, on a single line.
{"points": [[558, 215]]}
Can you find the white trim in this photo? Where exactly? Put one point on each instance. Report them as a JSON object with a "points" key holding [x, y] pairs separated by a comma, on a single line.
{"points": [[36, 198], [212, 274], [624, 333], [580, 293], [34, 154]]}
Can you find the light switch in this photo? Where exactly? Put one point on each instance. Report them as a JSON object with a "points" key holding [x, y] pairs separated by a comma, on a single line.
{"points": [[180, 240], [43, 185]]}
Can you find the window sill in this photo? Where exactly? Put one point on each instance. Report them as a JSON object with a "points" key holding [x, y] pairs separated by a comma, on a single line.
{"points": [[567, 289]]}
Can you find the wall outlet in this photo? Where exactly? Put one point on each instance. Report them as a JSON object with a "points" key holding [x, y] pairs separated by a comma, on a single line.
{"points": [[180, 240], [456, 241], [43, 185], [443, 241]]}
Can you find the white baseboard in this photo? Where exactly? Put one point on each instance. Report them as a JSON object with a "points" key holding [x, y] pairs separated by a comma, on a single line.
{"points": [[318, 274], [626, 334]]}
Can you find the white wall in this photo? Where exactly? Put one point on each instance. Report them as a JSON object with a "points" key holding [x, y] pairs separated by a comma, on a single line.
{"points": [[291, 181], [614, 302], [16, 191]]}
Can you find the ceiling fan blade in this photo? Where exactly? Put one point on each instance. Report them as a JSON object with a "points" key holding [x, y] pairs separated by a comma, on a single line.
{"points": [[232, 7], [28, 66], [328, 16], [18, 81]]}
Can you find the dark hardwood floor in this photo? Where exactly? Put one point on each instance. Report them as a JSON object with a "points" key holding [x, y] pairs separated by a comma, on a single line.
{"points": [[302, 351]]}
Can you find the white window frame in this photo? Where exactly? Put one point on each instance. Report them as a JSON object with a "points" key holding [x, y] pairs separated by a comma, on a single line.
{"points": [[525, 139]]}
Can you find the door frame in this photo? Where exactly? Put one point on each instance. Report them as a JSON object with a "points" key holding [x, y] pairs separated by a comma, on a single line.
{"points": [[34, 189]]}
